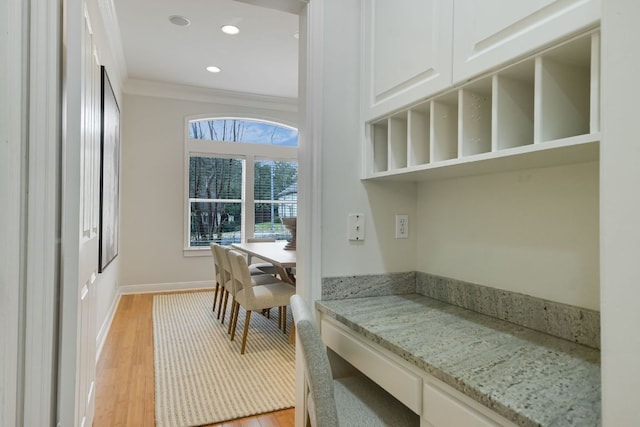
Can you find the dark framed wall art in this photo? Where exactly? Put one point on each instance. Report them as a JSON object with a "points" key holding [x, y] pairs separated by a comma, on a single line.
{"points": [[109, 173]]}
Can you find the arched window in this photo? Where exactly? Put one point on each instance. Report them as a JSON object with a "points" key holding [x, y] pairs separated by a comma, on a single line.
{"points": [[241, 177], [243, 130]]}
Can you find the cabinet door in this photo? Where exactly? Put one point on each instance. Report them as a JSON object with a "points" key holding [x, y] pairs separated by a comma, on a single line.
{"points": [[489, 33], [407, 52]]}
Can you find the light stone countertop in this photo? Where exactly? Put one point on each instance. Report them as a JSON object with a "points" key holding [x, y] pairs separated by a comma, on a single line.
{"points": [[529, 377]]}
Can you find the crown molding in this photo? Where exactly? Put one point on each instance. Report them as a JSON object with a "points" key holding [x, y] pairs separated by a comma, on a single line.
{"points": [[290, 6], [215, 96]]}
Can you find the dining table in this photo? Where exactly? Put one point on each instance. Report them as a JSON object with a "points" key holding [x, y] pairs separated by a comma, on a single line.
{"points": [[284, 260]]}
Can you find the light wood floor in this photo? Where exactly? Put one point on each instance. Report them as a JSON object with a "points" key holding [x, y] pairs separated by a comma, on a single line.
{"points": [[124, 376]]}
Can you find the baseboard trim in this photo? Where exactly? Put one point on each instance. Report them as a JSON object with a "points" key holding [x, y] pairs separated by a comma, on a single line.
{"points": [[106, 326], [165, 287]]}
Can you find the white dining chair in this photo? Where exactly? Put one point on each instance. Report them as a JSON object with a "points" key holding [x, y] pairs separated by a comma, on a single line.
{"points": [[347, 401], [228, 290], [253, 296], [262, 266], [219, 274]]}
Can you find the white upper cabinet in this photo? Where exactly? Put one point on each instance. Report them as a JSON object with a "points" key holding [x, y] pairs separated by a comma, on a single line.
{"points": [[540, 111], [490, 33], [407, 52]]}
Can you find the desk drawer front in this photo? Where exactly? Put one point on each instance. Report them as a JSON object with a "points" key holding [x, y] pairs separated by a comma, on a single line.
{"points": [[441, 408], [404, 385]]}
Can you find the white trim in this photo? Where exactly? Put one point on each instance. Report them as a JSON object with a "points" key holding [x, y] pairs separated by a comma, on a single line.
{"points": [[165, 287], [290, 6], [101, 338], [310, 159], [68, 362], [214, 96], [42, 215], [235, 149], [12, 168], [619, 213], [309, 177], [203, 251]]}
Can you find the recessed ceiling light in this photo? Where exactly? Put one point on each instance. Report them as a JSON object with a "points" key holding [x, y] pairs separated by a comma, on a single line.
{"points": [[180, 21], [213, 69], [230, 29]]}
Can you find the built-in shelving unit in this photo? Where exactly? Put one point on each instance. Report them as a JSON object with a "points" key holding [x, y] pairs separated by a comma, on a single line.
{"points": [[542, 111]]}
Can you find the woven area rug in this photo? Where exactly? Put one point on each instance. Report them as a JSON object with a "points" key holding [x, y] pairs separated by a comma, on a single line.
{"points": [[200, 376]]}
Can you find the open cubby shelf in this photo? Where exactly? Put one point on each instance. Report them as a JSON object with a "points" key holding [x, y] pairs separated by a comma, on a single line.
{"points": [[541, 111]]}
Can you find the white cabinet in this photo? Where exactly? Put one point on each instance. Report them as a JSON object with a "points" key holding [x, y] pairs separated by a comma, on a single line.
{"points": [[491, 33], [541, 111], [407, 49], [414, 49]]}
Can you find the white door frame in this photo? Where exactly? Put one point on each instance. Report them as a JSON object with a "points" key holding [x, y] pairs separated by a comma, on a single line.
{"points": [[309, 180], [13, 44], [73, 26], [31, 112], [42, 233]]}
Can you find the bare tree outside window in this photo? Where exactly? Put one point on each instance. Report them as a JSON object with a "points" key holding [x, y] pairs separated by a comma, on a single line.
{"points": [[215, 192]]}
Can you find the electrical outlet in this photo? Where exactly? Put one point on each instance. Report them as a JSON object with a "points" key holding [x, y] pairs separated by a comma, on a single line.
{"points": [[402, 226]]}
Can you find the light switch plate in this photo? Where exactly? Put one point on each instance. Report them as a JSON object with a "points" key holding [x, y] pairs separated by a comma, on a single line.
{"points": [[356, 227]]}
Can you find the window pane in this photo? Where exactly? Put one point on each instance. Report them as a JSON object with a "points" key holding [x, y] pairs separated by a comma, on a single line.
{"points": [[268, 222], [218, 222], [276, 181], [243, 130], [276, 194], [215, 194], [215, 178]]}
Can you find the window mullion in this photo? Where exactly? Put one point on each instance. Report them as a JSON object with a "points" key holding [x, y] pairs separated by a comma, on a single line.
{"points": [[248, 209]]}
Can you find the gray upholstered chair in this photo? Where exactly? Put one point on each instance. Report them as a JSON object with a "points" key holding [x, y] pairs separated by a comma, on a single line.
{"points": [[349, 401]]}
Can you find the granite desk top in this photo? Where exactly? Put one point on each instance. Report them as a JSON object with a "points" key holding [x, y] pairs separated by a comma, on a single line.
{"points": [[529, 377]]}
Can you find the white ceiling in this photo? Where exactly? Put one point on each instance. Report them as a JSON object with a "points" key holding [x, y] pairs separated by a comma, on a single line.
{"points": [[262, 59]]}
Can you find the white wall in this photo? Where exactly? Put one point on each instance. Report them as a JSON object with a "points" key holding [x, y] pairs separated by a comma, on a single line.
{"points": [[342, 190], [533, 231], [620, 214], [152, 187]]}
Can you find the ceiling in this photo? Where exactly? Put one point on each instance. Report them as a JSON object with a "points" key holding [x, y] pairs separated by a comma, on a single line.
{"points": [[262, 59]]}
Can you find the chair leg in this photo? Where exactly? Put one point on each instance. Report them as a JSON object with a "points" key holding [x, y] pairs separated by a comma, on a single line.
{"points": [[279, 317], [223, 291], [246, 331], [284, 319], [233, 316], [235, 321], [224, 307], [215, 297]]}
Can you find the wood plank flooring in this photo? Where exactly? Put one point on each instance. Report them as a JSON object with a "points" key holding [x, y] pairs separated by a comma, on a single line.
{"points": [[124, 375]]}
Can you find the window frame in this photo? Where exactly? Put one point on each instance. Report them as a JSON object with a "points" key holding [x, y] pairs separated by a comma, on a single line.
{"points": [[246, 151]]}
